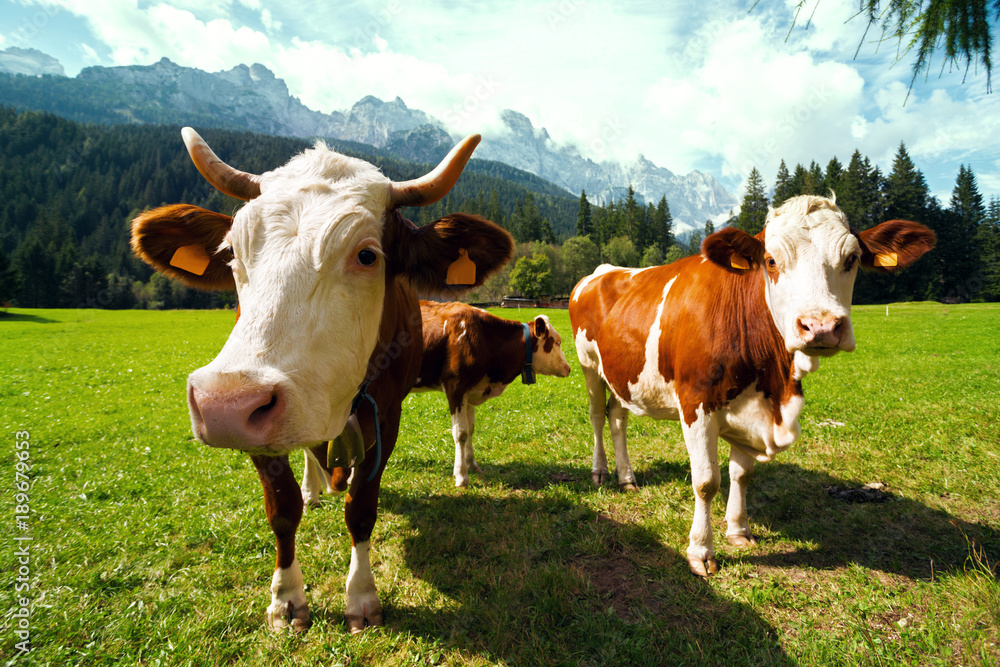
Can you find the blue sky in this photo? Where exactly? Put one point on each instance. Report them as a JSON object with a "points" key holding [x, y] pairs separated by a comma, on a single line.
{"points": [[690, 85]]}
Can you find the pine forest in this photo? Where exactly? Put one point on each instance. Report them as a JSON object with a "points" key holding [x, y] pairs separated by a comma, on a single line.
{"points": [[68, 192]]}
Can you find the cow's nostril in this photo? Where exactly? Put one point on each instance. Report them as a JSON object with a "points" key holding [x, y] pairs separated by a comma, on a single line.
{"points": [[264, 412]]}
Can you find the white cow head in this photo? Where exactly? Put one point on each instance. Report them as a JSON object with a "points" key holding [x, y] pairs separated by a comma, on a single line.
{"points": [[548, 359], [809, 257], [313, 256]]}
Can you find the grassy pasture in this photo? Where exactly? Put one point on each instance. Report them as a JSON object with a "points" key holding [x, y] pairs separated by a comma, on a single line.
{"points": [[150, 549]]}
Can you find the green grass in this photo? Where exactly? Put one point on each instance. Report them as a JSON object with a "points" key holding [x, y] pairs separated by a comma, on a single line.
{"points": [[151, 549]]}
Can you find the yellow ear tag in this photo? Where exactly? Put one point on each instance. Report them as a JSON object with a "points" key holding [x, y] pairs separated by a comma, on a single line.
{"points": [[462, 271], [886, 259], [191, 258], [738, 262]]}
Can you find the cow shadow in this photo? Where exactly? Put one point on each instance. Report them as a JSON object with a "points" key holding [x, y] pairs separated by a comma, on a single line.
{"points": [[6, 316], [879, 531], [538, 579], [886, 532]]}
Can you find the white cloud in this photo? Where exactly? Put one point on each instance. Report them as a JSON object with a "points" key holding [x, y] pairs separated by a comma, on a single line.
{"points": [[270, 23], [90, 55], [687, 85], [752, 102]]}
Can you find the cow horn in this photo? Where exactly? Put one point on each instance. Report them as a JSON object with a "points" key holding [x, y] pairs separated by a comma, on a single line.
{"points": [[223, 178], [430, 188]]}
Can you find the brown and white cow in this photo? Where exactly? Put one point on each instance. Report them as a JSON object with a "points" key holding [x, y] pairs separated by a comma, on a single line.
{"points": [[472, 356], [721, 342], [326, 270]]}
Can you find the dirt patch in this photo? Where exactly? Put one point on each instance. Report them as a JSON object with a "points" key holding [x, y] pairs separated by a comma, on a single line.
{"points": [[873, 492], [621, 579], [618, 582]]}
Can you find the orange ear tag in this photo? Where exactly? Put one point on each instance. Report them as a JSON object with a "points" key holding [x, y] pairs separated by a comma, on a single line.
{"points": [[886, 259], [462, 271], [738, 262], [191, 258]]}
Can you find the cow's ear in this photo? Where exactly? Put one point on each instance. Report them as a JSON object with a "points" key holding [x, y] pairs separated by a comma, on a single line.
{"points": [[182, 242], [541, 328], [450, 255], [894, 245], [733, 250]]}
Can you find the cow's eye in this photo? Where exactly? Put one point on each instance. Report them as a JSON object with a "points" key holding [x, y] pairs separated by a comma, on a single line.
{"points": [[367, 257], [771, 264], [851, 261]]}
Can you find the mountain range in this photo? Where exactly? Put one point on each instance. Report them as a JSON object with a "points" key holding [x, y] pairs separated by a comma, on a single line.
{"points": [[253, 98]]}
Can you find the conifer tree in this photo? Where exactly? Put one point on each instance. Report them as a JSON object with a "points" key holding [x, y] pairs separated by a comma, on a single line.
{"points": [[663, 224], [694, 243], [988, 242], [966, 199], [908, 198], [813, 184], [798, 185], [855, 196], [609, 222], [957, 254], [831, 179], [584, 225], [906, 188], [782, 186], [753, 212], [631, 216], [493, 210], [8, 280]]}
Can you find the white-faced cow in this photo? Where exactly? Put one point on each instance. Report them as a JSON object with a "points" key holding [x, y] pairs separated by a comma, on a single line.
{"points": [[326, 270], [721, 342], [472, 356]]}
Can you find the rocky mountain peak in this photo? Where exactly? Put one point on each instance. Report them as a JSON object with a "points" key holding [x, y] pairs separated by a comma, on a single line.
{"points": [[252, 97], [30, 62]]}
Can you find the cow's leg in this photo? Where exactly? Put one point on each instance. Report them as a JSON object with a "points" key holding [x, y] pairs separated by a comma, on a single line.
{"points": [[598, 395], [702, 440], [314, 480], [470, 458], [740, 472], [360, 511], [618, 421], [461, 431], [283, 504]]}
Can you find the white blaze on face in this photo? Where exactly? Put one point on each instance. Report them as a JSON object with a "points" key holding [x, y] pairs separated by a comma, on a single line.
{"points": [[310, 275], [811, 261]]}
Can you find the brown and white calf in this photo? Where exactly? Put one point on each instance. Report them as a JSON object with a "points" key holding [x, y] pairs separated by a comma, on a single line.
{"points": [[721, 342], [472, 356], [329, 334]]}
